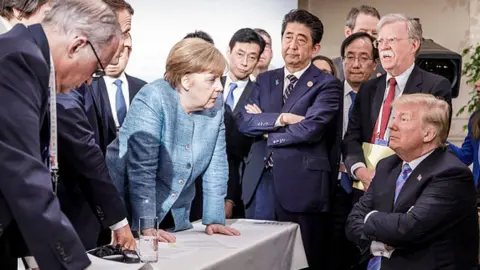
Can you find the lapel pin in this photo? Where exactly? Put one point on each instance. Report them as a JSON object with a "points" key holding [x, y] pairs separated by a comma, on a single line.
{"points": [[309, 83], [419, 177], [276, 82]]}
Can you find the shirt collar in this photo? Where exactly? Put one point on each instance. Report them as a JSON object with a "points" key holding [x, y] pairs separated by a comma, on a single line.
{"points": [[7, 24], [347, 88], [402, 78], [110, 80], [414, 163], [240, 83], [297, 74]]}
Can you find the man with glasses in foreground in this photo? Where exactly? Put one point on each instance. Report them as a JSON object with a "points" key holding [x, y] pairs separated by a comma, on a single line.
{"points": [[86, 192], [398, 42], [54, 57]]}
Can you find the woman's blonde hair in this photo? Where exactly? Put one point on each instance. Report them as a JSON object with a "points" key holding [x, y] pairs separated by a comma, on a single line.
{"points": [[193, 55]]}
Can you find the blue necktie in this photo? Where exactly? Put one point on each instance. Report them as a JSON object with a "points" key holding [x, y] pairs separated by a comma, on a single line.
{"points": [[288, 91], [345, 180], [120, 103], [352, 96], [375, 262], [402, 178], [230, 99]]}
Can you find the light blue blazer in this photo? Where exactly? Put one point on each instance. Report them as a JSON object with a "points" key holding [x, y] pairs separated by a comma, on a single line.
{"points": [[161, 150]]}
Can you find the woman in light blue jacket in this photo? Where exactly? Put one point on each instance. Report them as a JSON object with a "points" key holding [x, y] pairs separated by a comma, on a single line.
{"points": [[174, 133]]}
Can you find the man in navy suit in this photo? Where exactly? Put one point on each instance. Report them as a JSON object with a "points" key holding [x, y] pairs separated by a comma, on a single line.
{"points": [[294, 115], [420, 209], [86, 126], [30, 215]]}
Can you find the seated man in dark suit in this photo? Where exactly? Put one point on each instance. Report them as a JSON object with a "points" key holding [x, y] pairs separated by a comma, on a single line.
{"points": [[86, 126], [398, 42], [35, 63], [420, 210]]}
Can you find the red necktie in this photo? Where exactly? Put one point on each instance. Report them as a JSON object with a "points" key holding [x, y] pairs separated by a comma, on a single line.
{"points": [[387, 108]]}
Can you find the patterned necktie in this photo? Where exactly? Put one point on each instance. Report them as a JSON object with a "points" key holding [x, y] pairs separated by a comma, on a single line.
{"points": [[293, 80], [385, 113], [120, 103], [402, 178], [376, 262], [352, 96], [230, 98]]}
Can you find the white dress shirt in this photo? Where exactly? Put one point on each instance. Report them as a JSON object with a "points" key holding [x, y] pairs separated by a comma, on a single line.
{"points": [[399, 88], [237, 92], [378, 248], [6, 24], [112, 92]]}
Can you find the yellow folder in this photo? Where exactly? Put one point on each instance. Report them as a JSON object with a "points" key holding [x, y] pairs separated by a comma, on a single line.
{"points": [[373, 154]]}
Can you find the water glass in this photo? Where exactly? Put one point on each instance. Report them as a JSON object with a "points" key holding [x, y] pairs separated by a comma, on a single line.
{"points": [[148, 244]]}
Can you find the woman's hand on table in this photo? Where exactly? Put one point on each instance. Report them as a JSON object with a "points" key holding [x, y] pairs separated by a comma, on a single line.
{"points": [[221, 229]]}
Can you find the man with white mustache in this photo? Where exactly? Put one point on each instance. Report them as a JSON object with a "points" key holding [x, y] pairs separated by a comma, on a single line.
{"points": [[398, 42]]}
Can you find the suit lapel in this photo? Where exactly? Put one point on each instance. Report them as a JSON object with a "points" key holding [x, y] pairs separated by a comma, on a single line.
{"points": [[305, 82], [387, 203], [41, 40], [243, 98], [276, 91], [422, 171], [132, 89], [378, 99], [106, 109], [414, 81]]}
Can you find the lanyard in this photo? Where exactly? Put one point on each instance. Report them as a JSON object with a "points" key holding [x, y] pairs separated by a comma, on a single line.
{"points": [[53, 128]]}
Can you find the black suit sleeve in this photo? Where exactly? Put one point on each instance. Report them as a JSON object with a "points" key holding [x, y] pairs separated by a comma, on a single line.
{"points": [[355, 221], [79, 152], [352, 141], [447, 199], [25, 181]]}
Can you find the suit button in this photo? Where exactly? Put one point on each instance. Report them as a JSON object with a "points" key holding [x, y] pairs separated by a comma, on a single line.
{"points": [[1, 229], [181, 182], [189, 165], [100, 213]]}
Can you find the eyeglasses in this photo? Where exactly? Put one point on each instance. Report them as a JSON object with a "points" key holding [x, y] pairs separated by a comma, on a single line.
{"points": [[351, 59], [99, 72], [390, 41]]}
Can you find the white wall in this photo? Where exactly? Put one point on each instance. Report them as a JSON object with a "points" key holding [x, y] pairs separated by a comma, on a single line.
{"points": [[158, 25]]}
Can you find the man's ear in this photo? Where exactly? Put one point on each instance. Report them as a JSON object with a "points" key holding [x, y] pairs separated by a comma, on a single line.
{"points": [[75, 46]]}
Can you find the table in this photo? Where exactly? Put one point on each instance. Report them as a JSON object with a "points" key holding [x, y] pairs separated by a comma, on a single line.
{"points": [[263, 245]]}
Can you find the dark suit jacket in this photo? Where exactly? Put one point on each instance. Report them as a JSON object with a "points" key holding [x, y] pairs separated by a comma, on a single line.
{"points": [[99, 111], [26, 196], [238, 145], [86, 192], [439, 232], [303, 168], [369, 101]]}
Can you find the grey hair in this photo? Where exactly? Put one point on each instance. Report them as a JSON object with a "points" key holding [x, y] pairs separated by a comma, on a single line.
{"points": [[414, 28], [90, 18]]}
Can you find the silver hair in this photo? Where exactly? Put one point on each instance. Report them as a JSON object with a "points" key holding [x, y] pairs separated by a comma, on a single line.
{"points": [[90, 18], [414, 28]]}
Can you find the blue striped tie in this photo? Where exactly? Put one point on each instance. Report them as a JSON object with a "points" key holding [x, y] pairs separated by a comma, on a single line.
{"points": [[120, 103], [230, 98], [376, 262]]}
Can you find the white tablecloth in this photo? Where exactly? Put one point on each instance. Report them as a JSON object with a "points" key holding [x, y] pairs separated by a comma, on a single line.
{"points": [[262, 245]]}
